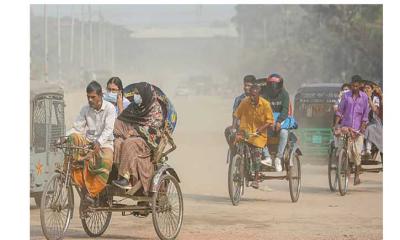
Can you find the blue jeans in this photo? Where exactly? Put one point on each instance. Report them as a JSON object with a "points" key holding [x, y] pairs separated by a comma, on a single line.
{"points": [[283, 137]]}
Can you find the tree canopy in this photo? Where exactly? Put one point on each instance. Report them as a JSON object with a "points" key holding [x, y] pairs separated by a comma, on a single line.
{"points": [[311, 43]]}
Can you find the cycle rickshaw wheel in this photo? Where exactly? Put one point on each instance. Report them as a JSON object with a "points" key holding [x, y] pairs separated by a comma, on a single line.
{"points": [[167, 208], [95, 223], [343, 172], [295, 179], [56, 207], [235, 179], [332, 176]]}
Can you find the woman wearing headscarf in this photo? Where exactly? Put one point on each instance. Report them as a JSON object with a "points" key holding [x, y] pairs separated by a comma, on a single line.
{"points": [[137, 134]]}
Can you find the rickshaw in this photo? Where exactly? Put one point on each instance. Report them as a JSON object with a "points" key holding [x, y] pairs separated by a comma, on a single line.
{"points": [[313, 108], [46, 125], [164, 202], [341, 166], [240, 174]]}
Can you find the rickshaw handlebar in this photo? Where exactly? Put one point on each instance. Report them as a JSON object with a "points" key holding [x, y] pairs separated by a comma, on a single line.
{"points": [[345, 131], [62, 144], [249, 135]]}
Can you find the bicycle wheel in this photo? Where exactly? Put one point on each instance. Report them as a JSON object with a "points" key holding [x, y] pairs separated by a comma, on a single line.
{"points": [[235, 179], [332, 165], [56, 207], [167, 208], [95, 223], [295, 179], [343, 172]]}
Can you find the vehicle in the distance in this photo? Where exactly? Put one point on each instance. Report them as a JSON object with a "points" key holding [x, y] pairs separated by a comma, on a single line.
{"points": [[46, 125], [313, 110]]}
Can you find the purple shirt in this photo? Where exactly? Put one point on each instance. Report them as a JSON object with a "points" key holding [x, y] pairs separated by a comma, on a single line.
{"points": [[353, 111]]}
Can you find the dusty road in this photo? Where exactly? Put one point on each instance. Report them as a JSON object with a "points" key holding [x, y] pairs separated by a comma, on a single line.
{"points": [[263, 214]]}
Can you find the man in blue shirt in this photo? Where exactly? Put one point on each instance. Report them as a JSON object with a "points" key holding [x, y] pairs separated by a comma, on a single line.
{"points": [[248, 81]]}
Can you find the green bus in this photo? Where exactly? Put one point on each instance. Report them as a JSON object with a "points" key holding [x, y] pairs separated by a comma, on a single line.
{"points": [[313, 110]]}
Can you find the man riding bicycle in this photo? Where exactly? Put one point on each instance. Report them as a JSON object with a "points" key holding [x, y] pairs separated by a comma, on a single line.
{"points": [[94, 126], [278, 97], [248, 81], [353, 115], [254, 115]]}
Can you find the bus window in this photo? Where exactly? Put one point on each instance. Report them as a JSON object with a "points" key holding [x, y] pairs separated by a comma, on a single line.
{"points": [[314, 115]]}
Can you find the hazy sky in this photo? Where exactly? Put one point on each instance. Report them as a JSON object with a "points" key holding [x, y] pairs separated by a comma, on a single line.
{"points": [[148, 15]]}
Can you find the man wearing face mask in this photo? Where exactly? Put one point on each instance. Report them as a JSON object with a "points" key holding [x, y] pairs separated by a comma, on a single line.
{"points": [[278, 97], [94, 126], [114, 94]]}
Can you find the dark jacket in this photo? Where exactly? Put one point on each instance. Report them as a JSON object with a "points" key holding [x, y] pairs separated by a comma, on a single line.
{"points": [[279, 103]]}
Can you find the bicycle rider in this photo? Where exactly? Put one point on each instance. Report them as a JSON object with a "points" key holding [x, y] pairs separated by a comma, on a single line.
{"points": [[248, 80], [353, 114], [254, 115]]}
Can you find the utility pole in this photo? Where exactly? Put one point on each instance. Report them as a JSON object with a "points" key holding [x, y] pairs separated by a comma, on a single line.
{"points": [[71, 53], [106, 28], [82, 38], [46, 73], [82, 48], [100, 39], [322, 51], [59, 43], [91, 39], [112, 50]]}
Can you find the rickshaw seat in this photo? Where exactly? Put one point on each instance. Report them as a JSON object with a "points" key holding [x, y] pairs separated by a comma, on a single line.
{"points": [[155, 158], [273, 140]]}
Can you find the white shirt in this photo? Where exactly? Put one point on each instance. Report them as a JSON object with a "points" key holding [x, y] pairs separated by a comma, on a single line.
{"points": [[96, 125], [376, 102], [337, 102]]}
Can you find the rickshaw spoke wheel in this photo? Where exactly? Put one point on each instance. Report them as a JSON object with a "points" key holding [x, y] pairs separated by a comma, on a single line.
{"points": [[295, 179], [332, 165], [235, 179], [167, 208], [343, 172], [56, 207], [95, 223]]}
